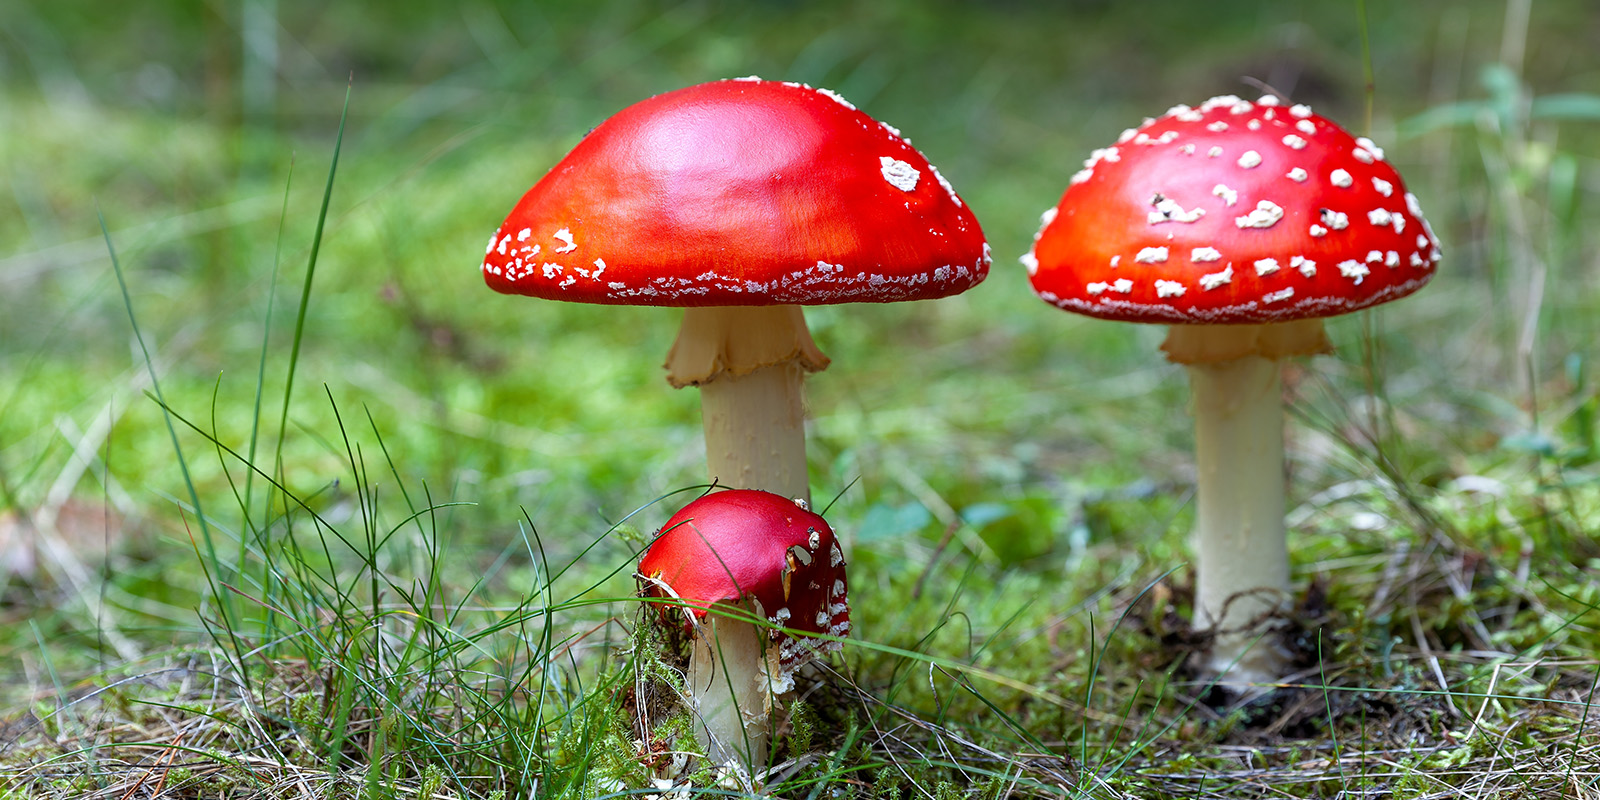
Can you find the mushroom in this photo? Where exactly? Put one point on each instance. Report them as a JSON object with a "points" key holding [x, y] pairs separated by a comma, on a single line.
{"points": [[741, 200], [1241, 225], [727, 556]]}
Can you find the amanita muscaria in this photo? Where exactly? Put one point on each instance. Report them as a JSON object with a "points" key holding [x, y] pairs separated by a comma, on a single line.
{"points": [[1241, 225], [734, 554], [741, 200]]}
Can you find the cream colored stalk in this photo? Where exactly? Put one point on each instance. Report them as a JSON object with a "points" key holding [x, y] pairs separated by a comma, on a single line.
{"points": [[1240, 541], [750, 364]]}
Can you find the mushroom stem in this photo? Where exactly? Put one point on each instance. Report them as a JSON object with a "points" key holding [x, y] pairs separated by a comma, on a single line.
{"points": [[728, 692], [1241, 547], [750, 364], [755, 431]]}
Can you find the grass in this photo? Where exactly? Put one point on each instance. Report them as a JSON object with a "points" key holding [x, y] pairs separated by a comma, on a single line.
{"points": [[387, 550]]}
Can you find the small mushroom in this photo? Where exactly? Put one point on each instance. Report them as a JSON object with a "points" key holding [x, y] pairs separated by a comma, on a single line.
{"points": [[727, 556], [741, 200], [1241, 225]]}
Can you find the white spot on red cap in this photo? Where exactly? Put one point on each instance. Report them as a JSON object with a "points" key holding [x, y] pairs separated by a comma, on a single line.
{"points": [[1412, 205], [1265, 215], [1306, 266], [565, 235], [1216, 150], [1295, 142], [1280, 295], [1229, 196], [1374, 256], [1097, 287], [1399, 222], [1215, 279], [1151, 255], [1391, 259], [522, 235], [899, 174], [1379, 217], [1167, 210], [1266, 266], [1115, 260], [1306, 127], [1250, 159], [1318, 231], [1169, 289], [1204, 254], [1099, 154], [1366, 144], [834, 96], [1298, 175], [1337, 220], [1354, 270], [1217, 127], [1341, 178], [1384, 187], [1122, 285], [1300, 110]]}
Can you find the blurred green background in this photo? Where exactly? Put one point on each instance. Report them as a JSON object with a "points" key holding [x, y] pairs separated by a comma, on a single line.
{"points": [[1056, 436], [1022, 475]]}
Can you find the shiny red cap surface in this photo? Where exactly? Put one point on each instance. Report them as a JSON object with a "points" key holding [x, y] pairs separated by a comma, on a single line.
{"points": [[739, 192]]}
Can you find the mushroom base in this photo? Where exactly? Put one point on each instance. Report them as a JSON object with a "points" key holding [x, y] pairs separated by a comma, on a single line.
{"points": [[1241, 546], [730, 693], [1211, 344]]}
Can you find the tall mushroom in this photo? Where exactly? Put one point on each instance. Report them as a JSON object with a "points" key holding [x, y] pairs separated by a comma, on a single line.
{"points": [[1241, 225], [750, 552], [741, 200]]}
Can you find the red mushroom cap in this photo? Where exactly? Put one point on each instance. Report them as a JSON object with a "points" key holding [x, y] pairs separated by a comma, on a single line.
{"points": [[1233, 212], [745, 544], [739, 192]]}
